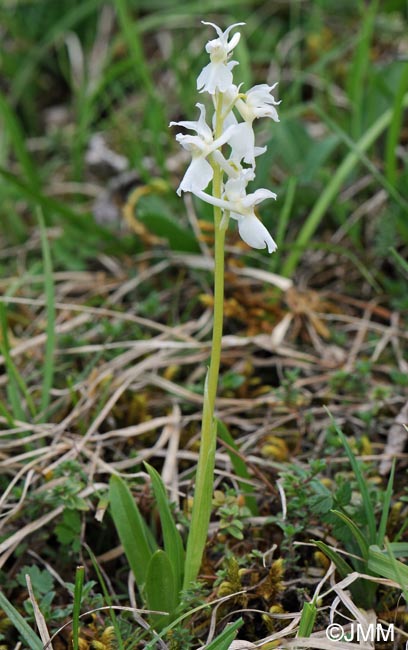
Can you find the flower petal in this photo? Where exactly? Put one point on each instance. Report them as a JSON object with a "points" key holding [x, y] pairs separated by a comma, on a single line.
{"points": [[200, 126], [198, 174], [257, 196], [215, 76], [192, 143], [254, 233], [242, 144]]}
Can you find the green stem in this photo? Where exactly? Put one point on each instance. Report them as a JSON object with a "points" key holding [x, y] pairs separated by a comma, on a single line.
{"points": [[203, 491]]}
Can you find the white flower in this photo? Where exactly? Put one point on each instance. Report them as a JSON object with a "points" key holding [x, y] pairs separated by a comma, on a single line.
{"points": [[258, 103], [200, 172], [242, 144], [217, 74], [251, 230], [241, 207], [254, 233]]}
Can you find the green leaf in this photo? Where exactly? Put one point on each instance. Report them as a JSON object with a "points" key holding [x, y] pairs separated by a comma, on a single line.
{"points": [[224, 640], [173, 544], [386, 507], [49, 291], [399, 549], [360, 593], [307, 620], [19, 141], [160, 589], [342, 566], [79, 584], [362, 484], [68, 531], [343, 494], [332, 188], [321, 504], [41, 580], [32, 640], [355, 531], [131, 528], [386, 566]]}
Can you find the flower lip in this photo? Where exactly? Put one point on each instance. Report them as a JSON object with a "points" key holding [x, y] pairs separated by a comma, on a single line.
{"points": [[254, 233]]}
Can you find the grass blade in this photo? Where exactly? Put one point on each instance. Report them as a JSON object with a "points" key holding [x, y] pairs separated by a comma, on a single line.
{"points": [[108, 600], [224, 640], [359, 67], [131, 528], [399, 549], [15, 133], [401, 261], [16, 384], [357, 534], [344, 569], [386, 507], [367, 504], [155, 115], [48, 367], [395, 128], [79, 583], [29, 636]]}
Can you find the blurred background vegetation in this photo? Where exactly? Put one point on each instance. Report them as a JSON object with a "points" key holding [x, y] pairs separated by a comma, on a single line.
{"points": [[338, 160]]}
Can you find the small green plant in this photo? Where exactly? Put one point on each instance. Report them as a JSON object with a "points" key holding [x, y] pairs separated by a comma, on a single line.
{"points": [[355, 383], [44, 589], [230, 513], [287, 390]]}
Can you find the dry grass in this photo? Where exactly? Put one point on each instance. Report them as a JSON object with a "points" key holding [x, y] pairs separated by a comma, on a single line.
{"points": [[132, 394]]}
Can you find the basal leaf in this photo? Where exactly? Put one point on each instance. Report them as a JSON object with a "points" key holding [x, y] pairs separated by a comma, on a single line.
{"points": [[173, 544], [131, 528], [224, 640], [160, 589]]}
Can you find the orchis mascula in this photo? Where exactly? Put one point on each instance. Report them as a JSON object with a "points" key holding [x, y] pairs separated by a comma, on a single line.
{"points": [[206, 146]]}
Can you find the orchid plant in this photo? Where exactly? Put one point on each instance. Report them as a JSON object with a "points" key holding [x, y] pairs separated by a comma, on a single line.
{"points": [[164, 575], [230, 129]]}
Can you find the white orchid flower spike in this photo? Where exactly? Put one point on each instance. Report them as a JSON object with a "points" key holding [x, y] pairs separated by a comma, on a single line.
{"points": [[231, 128], [225, 155]]}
